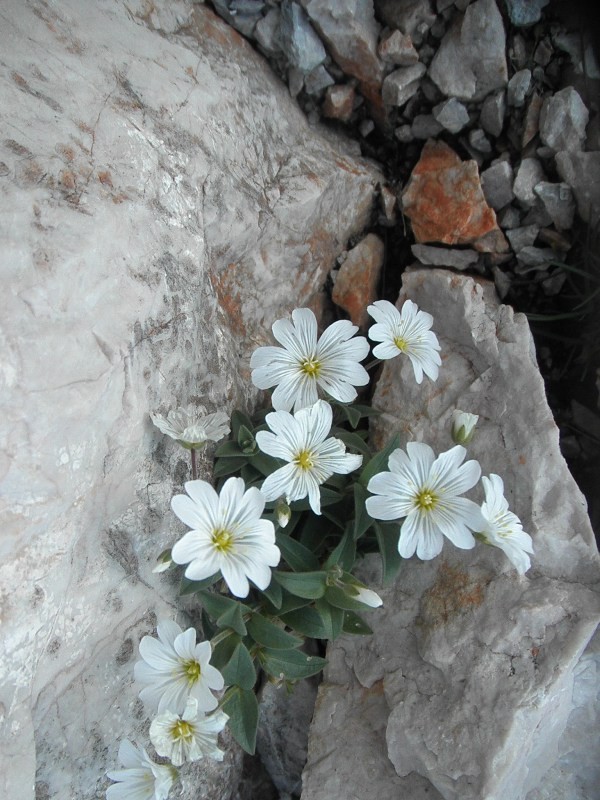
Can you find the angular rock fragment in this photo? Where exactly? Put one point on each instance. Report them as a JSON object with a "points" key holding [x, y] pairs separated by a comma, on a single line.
{"points": [[397, 48], [491, 117], [444, 199], [317, 80], [339, 102], [299, 41], [534, 258], [243, 16], [452, 115], [509, 218], [425, 126], [529, 174], [357, 279], [531, 121], [266, 32], [558, 201], [523, 13], [399, 86], [517, 88], [496, 182], [563, 120], [522, 237], [479, 141], [412, 17], [582, 172], [444, 256], [466, 681], [471, 61]]}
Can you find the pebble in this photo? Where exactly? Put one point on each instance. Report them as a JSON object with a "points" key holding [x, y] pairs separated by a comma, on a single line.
{"points": [[452, 115], [563, 120], [317, 80], [413, 18], [529, 174], [425, 126], [582, 172], [535, 257], [543, 53], [403, 133], [523, 13], [402, 84], [531, 121], [389, 202], [298, 38], [266, 32], [479, 141], [444, 256], [339, 102], [397, 48], [496, 182], [491, 117], [358, 277], [559, 202], [522, 237], [509, 217], [517, 88], [366, 127]]}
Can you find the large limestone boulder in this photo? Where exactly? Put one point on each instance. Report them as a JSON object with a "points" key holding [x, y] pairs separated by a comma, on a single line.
{"points": [[163, 201], [465, 688]]}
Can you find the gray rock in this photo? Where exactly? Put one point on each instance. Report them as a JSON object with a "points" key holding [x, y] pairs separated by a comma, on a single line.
{"points": [[425, 126], [412, 17], [563, 121], [529, 174], [496, 182], [243, 15], [317, 80], [452, 115], [543, 52], [522, 237], [492, 113], [517, 88], [299, 41], [139, 275], [266, 32], [536, 257], [479, 141], [444, 256], [525, 12], [509, 218], [466, 679], [399, 86], [366, 127], [397, 48], [582, 172], [559, 203], [403, 133], [471, 60], [502, 282], [295, 78]]}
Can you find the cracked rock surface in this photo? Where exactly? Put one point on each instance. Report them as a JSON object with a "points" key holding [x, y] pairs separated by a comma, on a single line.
{"points": [[465, 688], [153, 235]]}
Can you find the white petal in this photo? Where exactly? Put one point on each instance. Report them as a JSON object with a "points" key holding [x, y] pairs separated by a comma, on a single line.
{"points": [[386, 350], [306, 330], [385, 508], [168, 630]]}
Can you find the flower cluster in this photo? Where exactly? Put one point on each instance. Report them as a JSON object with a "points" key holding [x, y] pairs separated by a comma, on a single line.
{"points": [[270, 552]]}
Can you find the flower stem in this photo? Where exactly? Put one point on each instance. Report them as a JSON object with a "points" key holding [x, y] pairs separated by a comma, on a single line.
{"points": [[372, 364], [194, 468]]}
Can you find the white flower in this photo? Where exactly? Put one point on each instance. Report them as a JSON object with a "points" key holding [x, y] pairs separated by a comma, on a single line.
{"points": [[227, 535], [312, 458], [192, 426], [303, 363], [405, 331], [188, 737], [502, 528], [368, 597], [141, 779], [175, 668], [426, 490], [463, 426]]}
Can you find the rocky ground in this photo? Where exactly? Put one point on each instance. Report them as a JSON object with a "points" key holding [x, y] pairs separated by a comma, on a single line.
{"points": [[484, 118]]}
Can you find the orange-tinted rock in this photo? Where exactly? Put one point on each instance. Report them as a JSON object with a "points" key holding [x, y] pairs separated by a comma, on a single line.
{"points": [[357, 279], [444, 199], [339, 102]]}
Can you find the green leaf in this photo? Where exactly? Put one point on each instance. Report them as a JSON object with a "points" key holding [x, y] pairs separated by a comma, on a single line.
{"points": [[387, 539], [379, 462], [217, 604], [223, 651], [345, 552], [306, 621], [238, 418], [355, 624], [274, 594], [269, 635], [228, 450], [355, 442], [292, 664], [333, 618], [233, 618], [209, 629], [239, 670], [227, 466], [246, 440], [362, 521], [191, 587], [264, 464], [241, 706], [366, 411], [296, 555], [337, 597], [303, 584], [288, 603]]}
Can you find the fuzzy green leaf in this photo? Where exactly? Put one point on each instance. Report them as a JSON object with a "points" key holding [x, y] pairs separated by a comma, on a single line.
{"points": [[269, 635], [191, 587], [345, 552], [228, 450], [233, 618], [217, 604], [306, 621], [303, 584], [238, 418], [355, 625], [355, 442], [241, 706], [239, 670], [264, 464], [362, 521], [297, 556], [223, 651], [292, 664], [333, 618], [227, 466], [387, 539], [274, 594]]}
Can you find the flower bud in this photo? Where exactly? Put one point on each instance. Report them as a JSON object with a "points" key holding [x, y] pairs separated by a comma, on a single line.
{"points": [[164, 561], [282, 513], [463, 426], [368, 597]]}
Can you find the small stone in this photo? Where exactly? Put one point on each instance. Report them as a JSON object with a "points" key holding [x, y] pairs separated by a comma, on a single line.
{"points": [[366, 127], [317, 80], [563, 121], [496, 182], [444, 200], [242, 16], [403, 133], [471, 59], [492, 113], [523, 13], [535, 257], [299, 41], [559, 203], [522, 237], [502, 282], [397, 48], [425, 126], [537, 215], [442, 5], [517, 88], [339, 102], [444, 256], [357, 279], [553, 286], [582, 172], [543, 53], [452, 115], [295, 81], [412, 17], [402, 84], [509, 218], [531, 121], [266, 32], [430, 91], [479, 141], [529, 174], [492, 242], [518, 52], [556, 240], [389, 201], [438, 29]]}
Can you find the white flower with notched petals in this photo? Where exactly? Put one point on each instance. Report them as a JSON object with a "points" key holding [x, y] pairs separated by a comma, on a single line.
{"points": [[175, 668], [301, 440], [141, 779], [502, 528], [426, 490], [305, 363], [189, 736], [228, 535], [192, 426], [406, 331]]}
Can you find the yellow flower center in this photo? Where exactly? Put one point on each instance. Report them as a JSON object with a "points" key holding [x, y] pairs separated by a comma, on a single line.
{"points": [[310, 367], [192, 671], [304, 460], [425, 500], [222, 540], [182, 730], [400, 343]]}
